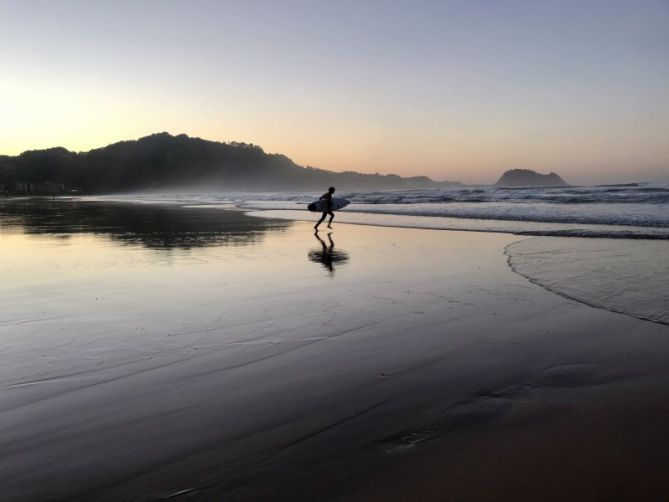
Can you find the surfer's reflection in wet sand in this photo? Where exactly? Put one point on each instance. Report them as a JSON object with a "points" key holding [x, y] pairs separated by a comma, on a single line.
{"points": [[328, 255]]}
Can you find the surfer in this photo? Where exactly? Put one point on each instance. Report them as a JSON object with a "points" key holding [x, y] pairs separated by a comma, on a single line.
{"points": [[327, 197]]}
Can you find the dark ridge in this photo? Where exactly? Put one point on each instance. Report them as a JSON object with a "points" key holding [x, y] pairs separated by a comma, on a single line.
{"points": [[165, 162]]}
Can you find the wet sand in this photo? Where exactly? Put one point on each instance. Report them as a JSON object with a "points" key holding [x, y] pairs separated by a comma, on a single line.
{"points": [[266, 363]]}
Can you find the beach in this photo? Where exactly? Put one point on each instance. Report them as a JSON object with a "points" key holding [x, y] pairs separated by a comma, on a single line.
{"points": [[155, 352]]}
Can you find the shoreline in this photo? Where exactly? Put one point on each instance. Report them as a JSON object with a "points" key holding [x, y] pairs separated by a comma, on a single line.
{"points": [[584, 301], [265, 367], [521, 228]]}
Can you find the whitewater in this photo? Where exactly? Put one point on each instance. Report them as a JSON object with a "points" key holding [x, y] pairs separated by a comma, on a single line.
{"points": [[639, 210]]}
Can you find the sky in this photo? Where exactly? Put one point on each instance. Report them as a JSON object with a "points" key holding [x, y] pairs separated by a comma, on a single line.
{"points": [[456, 90]]}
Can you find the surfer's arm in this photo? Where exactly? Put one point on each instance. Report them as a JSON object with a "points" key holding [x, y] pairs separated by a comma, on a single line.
{"points": [[328, 200]]}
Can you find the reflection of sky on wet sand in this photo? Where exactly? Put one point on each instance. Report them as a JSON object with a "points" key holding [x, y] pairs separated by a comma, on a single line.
{"points": [[51, 241], [89, 301], [55, 256], [146, 353], [153, 226]]}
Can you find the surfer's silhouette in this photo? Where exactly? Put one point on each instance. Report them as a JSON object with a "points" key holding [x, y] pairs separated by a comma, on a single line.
{"points": [[327, 197]]}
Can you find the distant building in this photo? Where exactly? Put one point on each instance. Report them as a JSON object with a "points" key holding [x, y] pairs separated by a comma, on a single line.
{"points": [[21, 187], [46, 188], [34, 187]]}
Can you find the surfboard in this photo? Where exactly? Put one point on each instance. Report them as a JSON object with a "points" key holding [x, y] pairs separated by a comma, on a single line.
{"points": [[321, 205]]}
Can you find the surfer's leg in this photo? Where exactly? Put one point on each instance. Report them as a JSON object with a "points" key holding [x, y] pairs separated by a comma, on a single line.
{"points": [[320, 221], [331, 218]]}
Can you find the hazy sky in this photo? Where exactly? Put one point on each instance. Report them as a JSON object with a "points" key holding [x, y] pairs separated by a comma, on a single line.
{"points": [[452, 89]]}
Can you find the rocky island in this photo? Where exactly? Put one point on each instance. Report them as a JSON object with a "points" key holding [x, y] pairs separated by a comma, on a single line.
{"points": [[529, 178]]}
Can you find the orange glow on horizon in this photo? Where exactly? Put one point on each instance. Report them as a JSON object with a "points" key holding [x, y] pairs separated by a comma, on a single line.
{"points": [[81, 118]]}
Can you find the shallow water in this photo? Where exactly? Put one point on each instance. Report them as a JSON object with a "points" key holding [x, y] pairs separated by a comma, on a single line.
{"points": [[626, 276]]}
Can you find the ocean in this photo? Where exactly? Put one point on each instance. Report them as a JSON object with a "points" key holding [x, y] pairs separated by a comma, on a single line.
{"points": [[629, 211]]}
